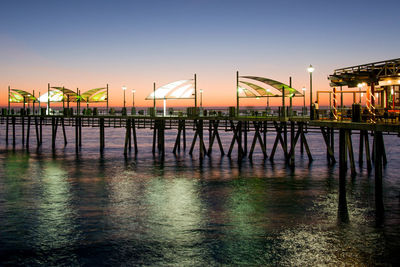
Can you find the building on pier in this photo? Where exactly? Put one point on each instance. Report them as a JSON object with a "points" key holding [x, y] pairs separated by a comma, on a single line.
{"points": [[376, 84]]}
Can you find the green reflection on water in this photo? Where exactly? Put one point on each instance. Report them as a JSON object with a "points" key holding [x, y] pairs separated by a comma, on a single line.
{"points": [[16, 172], [55, 224]]}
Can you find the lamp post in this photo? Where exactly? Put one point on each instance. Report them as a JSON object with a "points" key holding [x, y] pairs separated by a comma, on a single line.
{"points": [[268, 97], [360, 85], [304, 100], [310, 69], [133, 97], [201, 99], [124, 89], [392, 92]]}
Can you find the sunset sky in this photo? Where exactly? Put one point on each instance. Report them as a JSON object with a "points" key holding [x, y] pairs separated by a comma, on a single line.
{"points": [[88, 44]]}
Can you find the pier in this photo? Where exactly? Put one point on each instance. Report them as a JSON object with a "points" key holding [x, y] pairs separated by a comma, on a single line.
{"points": [[249, 128]]}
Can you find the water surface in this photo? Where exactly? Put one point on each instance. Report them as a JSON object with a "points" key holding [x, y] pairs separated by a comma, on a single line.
{"points": [[85, 209]]}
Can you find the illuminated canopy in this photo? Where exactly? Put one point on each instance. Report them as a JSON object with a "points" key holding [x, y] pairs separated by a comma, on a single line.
{"points": [[259, 91], [254, 91], [95, 95], [57, 94], [19, 96], [182, 89]]}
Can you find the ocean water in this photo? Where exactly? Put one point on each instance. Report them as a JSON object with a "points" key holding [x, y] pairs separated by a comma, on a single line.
{"points": [[68, 209]]}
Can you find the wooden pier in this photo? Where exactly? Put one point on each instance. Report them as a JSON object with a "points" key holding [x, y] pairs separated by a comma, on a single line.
{"points": [[247, 133]]}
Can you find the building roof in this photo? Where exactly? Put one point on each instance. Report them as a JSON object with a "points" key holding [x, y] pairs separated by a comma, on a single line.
{"points": [[377, 72]]}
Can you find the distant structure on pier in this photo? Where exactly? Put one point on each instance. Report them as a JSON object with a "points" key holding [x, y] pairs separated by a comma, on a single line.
{"points": [[378, 85]]}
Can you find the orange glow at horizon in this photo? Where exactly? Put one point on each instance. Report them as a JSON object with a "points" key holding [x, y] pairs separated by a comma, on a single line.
{"points": [[216, 93]]}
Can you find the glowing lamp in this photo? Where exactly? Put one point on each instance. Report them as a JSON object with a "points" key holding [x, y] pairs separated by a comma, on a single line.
{"points": [[310, 69]]}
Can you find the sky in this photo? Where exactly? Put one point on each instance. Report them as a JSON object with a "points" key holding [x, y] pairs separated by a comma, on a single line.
{"points": [[88, 44]]}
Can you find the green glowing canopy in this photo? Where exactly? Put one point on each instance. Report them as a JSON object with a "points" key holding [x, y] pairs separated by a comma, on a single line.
{"points": [[58, 94], [257, 91], [289, 91], [95, 95], [18, 96]]}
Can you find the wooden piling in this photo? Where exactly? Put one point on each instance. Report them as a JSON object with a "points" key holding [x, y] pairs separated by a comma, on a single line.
{"points": [[177, 144], [76, 134], [155, 125], [184, 135], [53, 137], [343, 214], [41, 130], [285, 139], [28, 132], [133, 126], [127, 135], [23, 127], [378, 158], [305, 143], [257, 137], [80, 131], [383, 151], [246, 124], [292, 144], [130, 134], [278, 139], [198, 133], [236, 139], [7, 130], [202, 146], [161, 136], [333, 141], [349, 146], [63, 130], [37, 132], [265, 129], [13, 129], [361, 149], [367, 151], [328, 140], [101, 130], [215, 135]]}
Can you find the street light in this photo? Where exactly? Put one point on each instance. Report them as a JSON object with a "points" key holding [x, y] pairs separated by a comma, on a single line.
{"points": [[304, 100], [392, 93], [310, 69], [124, 89], [201, 99], [133, 97]]}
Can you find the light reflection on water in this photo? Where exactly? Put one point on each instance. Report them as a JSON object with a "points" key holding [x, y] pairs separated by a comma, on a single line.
{"points": [[64, 209]]}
